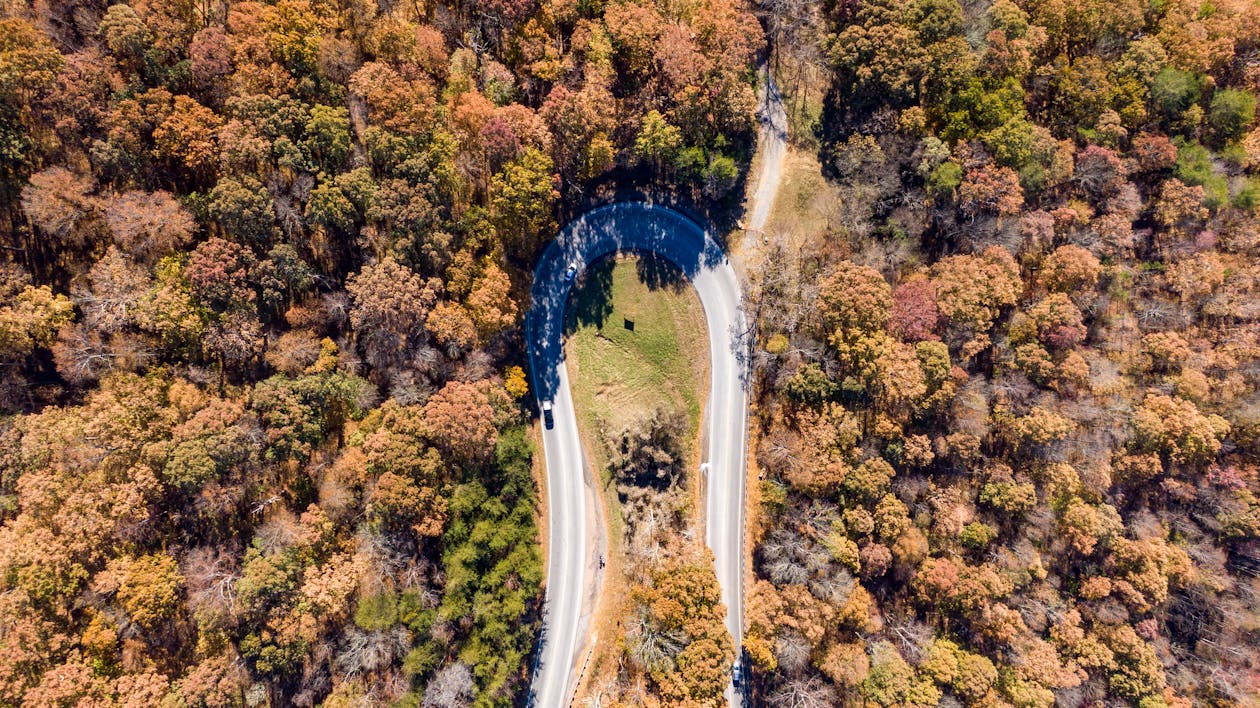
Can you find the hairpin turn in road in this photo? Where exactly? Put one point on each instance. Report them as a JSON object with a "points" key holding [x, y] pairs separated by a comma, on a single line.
{"points": [[667, 233]]}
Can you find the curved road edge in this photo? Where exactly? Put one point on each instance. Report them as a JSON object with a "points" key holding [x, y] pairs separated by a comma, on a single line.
{"points": [[599, 232]]}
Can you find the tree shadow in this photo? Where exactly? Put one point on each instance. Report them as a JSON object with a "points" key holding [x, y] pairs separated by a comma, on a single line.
{"points": [[659, 273], [591, 296]]}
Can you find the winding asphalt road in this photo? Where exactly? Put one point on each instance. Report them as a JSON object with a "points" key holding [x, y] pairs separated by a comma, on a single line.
{"points": [[571, 494], [570, 490]]}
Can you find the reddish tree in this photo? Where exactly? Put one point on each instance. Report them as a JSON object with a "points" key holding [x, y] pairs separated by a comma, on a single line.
{"points": [[81, 99], [505, 14], [991, 189], [1099, 172], [729, 34], [430, 51], [634, 28], [1153, 152], [218, 271], [393, 102], [914, 313], [210, 55], [460, 420], [575, 118], [148, 225], [58, 202], [500, 142], [390, 304], [679, 57]]}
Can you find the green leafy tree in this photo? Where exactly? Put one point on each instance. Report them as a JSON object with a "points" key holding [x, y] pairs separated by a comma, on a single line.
{"points": [[243, 209], [657, 140], [328, 206], [493, 566], [328, 136], [1232, 113], [522, 200], [1173, 91]]}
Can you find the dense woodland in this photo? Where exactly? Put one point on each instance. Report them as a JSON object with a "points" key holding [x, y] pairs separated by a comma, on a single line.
{"points": [[262, 265], [1009, 425]]}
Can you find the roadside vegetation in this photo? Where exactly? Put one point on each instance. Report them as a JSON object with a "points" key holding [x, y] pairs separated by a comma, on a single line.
{"points": [[637, 353], [1008, 390]]}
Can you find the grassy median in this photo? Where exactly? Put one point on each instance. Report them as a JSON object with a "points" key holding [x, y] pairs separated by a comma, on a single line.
{"points": [[636, 343]]}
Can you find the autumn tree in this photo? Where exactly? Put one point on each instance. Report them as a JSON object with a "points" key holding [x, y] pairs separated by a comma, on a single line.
{"points": [[28, 71], [460, 420], [679, 637], [148, 225], [972, 291], [854, 298], [32, 321], [490, 303], [914, 314], [219, 273], [60, 205], [895, 54], [577, 121], [147, 588], [1071, 269], [188, 136], [1177, 429], [992, 190], [390, 304]]}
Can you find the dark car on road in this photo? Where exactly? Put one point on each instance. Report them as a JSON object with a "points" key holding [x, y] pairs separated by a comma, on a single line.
{"points": [[548, 421]]}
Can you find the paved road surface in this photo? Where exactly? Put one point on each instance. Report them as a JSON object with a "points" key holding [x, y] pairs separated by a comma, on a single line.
{"points": [[623, 227], [771, 149]]}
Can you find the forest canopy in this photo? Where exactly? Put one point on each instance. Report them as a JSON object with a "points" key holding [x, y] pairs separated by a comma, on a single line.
{"points": [[263, 412], [1008, 421], [263, 267]]}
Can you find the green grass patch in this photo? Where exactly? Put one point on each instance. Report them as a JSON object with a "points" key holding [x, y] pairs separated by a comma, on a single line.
{"points": [[636, 342]]}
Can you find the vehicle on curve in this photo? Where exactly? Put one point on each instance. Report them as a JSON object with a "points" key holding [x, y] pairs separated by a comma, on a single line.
{"points": [[570, 273]]}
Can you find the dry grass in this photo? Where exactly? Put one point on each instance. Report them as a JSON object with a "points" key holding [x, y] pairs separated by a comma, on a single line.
{"points": [[807, 205], [806, 214]]}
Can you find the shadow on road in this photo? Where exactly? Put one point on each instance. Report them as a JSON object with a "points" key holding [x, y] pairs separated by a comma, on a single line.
{"points": [[684, 253], [659, 273], [592, 297]]}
